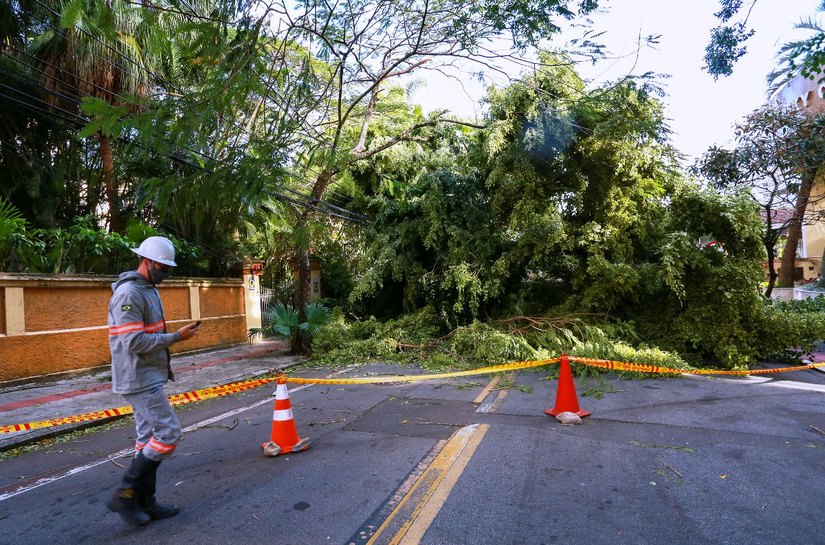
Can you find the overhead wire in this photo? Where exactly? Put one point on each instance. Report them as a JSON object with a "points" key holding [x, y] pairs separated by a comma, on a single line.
{"points": [[206, 248], [48, 110], [119, 97], [33, 66], [303, 200], [48, 90], [156, 77], [76, 119]]}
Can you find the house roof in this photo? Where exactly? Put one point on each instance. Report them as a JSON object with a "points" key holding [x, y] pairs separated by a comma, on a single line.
{"points": [[779, 216]]}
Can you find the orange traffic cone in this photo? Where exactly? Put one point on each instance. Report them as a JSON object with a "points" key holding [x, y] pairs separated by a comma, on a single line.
{"points": [[284, 433], [566, 400]]}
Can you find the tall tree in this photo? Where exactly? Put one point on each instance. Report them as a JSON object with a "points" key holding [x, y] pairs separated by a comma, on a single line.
{"points": [[99, 49], [764, 165], [82, 53], [37, 153], [807, 152], [367, 45]]}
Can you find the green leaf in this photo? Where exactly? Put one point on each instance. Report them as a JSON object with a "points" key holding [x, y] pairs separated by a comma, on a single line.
{"points": [[11, 220]]}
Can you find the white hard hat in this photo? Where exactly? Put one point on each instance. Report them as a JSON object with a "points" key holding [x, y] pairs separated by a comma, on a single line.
{"points": [[158, 249]]}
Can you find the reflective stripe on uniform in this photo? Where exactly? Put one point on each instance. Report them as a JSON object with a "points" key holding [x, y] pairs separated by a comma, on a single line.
{"points": [[154, 328], [131, 327], [162, 448]]}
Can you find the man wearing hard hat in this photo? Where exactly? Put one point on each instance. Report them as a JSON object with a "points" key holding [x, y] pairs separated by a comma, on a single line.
{"points": [[141, 366]]}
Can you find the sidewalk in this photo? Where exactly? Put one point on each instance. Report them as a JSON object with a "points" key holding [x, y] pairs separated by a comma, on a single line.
{"points": [[39, 401]]}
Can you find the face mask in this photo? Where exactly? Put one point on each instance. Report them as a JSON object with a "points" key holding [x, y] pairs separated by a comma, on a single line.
{"points": [[156, 275]]}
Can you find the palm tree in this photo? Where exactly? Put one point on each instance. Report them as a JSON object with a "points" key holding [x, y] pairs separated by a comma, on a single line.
{"points": [[804, 57], [90, 48]]}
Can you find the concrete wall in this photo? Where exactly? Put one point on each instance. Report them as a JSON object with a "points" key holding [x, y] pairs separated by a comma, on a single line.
{"points": [[54, 324], [788, 294]]}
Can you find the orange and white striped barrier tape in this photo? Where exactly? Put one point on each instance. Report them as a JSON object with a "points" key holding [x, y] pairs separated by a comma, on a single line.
{"points": [[236, 387], [641, 368], [88, 417], [176, 399]]}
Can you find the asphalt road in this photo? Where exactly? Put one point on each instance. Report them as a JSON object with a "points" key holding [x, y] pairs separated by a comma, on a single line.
{"points": [[668, 461]]}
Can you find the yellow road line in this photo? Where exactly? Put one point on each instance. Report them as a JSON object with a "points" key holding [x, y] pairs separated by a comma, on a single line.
{"points": [[497, 402], [430, 509], [416, 511], [487, 389], [491, 405]]}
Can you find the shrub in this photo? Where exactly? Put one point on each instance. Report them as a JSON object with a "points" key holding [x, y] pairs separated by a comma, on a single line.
{"points": [[285, 321], [791, 329], [412, 339]]}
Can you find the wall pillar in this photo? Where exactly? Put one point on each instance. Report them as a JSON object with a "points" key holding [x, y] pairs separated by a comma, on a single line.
{"points": [[15, 312], [252, 293], [194, 302]]}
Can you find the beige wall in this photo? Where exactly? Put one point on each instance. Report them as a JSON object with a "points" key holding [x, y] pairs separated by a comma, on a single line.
{"points": [[53, 324], [809, 266]]}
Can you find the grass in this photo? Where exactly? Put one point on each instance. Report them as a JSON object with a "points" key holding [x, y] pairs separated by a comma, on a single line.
{"points": [[63, 438]]}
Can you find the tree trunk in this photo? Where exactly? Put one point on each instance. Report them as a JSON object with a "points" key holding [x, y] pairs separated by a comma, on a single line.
{"points": [[771, 269], [298, 342], [302, 246], [115, 218], [788, 265], [321, 184], [304, 280]]}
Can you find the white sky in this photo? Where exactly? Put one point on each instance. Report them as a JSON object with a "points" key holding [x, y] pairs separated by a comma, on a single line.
{"points": [[702, 112]]}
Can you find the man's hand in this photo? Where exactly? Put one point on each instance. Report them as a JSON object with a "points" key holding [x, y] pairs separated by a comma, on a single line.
{"points": [[188, 331]]}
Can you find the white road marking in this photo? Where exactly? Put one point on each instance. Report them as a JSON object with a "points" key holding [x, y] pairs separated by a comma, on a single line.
{"points": [[122, 453]]}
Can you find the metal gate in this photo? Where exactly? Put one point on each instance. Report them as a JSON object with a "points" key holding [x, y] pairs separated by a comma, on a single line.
{"points": [[268, 299]]}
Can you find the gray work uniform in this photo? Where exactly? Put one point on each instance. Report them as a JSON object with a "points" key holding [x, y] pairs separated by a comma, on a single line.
{"points": [[139, 345]]}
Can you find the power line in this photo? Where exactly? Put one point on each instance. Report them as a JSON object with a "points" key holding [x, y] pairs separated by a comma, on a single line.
{"points": [[72, 118], [303, 201], [149, 5], [32, 66], [77, 120], [102, 43]]}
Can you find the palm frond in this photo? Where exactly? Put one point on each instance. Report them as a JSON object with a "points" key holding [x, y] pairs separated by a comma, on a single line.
{"points": [[317, 315], [11, 220]]}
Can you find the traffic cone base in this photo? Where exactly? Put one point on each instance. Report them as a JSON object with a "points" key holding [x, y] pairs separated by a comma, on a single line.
{"points": [[566, 399], [555, 412], [284, 437], [271, 448]]}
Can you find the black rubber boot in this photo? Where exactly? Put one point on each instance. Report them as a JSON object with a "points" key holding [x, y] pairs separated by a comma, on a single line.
{"points": [[150, 506], [125, 500]]}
